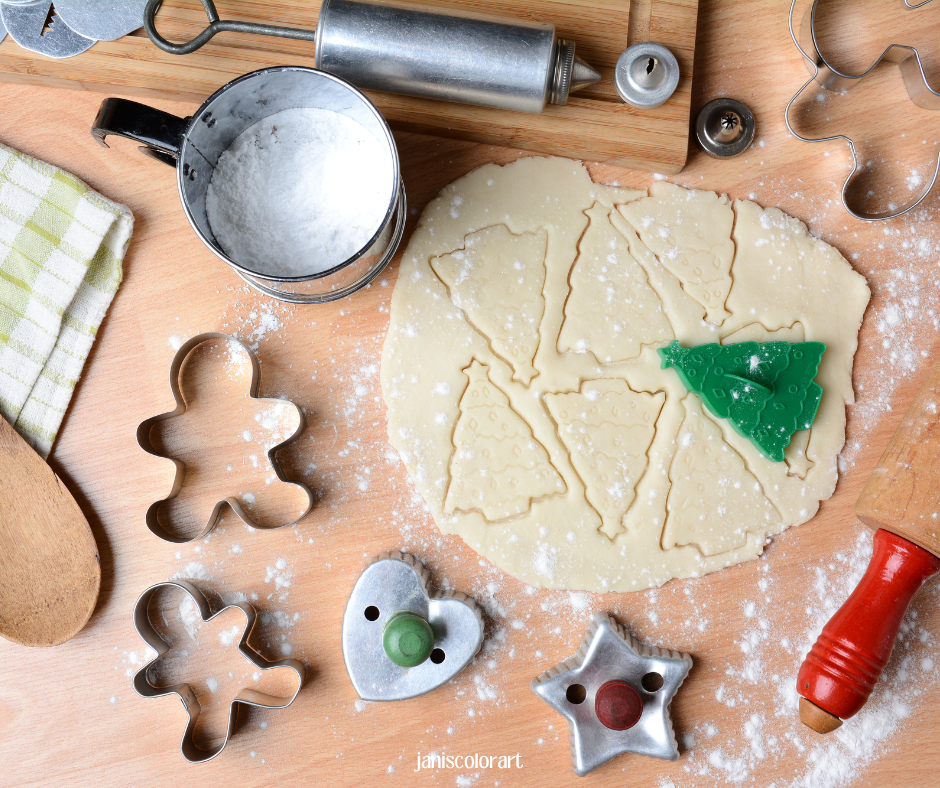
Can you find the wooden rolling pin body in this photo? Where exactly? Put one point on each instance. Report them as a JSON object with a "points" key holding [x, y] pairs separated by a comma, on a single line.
{"points": [[901, 499]]}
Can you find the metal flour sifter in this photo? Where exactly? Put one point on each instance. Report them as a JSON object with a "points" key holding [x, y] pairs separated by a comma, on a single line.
{"points": [[422, 51]]}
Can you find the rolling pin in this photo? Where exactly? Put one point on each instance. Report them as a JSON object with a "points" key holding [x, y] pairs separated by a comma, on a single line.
{"points": [[901, 501]]}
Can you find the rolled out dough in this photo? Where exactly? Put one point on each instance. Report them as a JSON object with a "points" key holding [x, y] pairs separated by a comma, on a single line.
{"points": [[525, 394]]}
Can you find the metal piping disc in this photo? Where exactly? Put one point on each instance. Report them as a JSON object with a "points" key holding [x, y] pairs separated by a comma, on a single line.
{"points": [[724, 127], [646, 75], [102, 20], [26, 22]]}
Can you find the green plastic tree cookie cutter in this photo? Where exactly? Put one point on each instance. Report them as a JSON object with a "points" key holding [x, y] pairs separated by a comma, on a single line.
{"points": [[766, 390]]}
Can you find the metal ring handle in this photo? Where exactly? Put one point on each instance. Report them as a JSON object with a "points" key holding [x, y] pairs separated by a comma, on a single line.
{"points": [[215, 26]]}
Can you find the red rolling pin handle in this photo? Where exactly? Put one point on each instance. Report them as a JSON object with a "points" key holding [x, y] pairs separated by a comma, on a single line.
{"points": [[846, 661], [901, 501]]}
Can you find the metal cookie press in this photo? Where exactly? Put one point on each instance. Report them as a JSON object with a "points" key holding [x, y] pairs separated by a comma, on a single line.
{"points": [[422, 51]]}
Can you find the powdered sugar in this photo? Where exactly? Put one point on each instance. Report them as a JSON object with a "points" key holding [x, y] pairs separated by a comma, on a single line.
{"points": [[299, 192]]}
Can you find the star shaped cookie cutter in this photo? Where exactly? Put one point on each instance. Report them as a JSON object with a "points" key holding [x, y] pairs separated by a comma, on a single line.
{"points": [[615, 693], [828, 77], [143, 440], [249, 697]]}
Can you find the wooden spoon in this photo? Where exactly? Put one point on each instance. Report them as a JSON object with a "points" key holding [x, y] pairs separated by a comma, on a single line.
{"points": [[49, 568]]}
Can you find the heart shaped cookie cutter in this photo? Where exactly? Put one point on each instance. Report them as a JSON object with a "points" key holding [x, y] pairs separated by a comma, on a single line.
{"points": [[249, 697], [143, 440], [390, 654], [830, 78]]}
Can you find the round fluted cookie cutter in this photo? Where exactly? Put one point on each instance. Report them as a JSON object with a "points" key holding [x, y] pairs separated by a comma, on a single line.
{"points": [[829, 78], [249, 697], [143, 440]]}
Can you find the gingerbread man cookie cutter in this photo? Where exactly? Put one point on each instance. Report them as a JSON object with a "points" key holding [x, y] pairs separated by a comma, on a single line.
{"points": [[249, 697], [830, 78], [143, 440]]}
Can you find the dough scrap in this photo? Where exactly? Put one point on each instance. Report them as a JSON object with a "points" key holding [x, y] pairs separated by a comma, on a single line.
{"points": [[774, 280], [713, 500]]}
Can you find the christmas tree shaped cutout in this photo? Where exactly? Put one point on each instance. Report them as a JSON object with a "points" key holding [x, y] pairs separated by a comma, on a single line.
{"points": [[612, 311], [766, 390], [497, 281], [607, 428], [497, 466]]}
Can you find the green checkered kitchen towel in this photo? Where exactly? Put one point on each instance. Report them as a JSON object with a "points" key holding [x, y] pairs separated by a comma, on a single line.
{"points": [[61, 248]]}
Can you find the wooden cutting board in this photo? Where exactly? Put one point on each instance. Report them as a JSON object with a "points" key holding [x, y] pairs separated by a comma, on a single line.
{"points": [[594, 125]]}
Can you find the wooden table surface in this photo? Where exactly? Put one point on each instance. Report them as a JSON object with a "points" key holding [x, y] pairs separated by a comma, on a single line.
{"points": [[69, 715]]}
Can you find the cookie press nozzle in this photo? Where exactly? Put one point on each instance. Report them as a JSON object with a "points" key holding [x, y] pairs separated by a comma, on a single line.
{"points": [[427, 52]]}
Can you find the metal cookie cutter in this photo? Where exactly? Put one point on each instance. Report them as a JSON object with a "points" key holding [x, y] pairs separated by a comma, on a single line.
{"points": [[915, 80], [143, 440], [615, 693], [249, 697], [400, 639]]}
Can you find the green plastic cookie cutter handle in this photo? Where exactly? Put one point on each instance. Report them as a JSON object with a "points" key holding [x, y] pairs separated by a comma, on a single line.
{"points": [[407, 639]]}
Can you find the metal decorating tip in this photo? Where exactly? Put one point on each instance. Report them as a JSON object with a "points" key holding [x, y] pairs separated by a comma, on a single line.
{"points": [[582, 75], [646, 75], [724, 127]]}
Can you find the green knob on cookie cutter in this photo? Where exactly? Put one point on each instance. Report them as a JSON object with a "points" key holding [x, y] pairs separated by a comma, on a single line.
{"points": [[407, 639], [766, 390]]}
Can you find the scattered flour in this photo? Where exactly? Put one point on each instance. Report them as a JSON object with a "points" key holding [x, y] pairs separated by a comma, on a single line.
{"points": [[769, 735], [755, 737]]}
